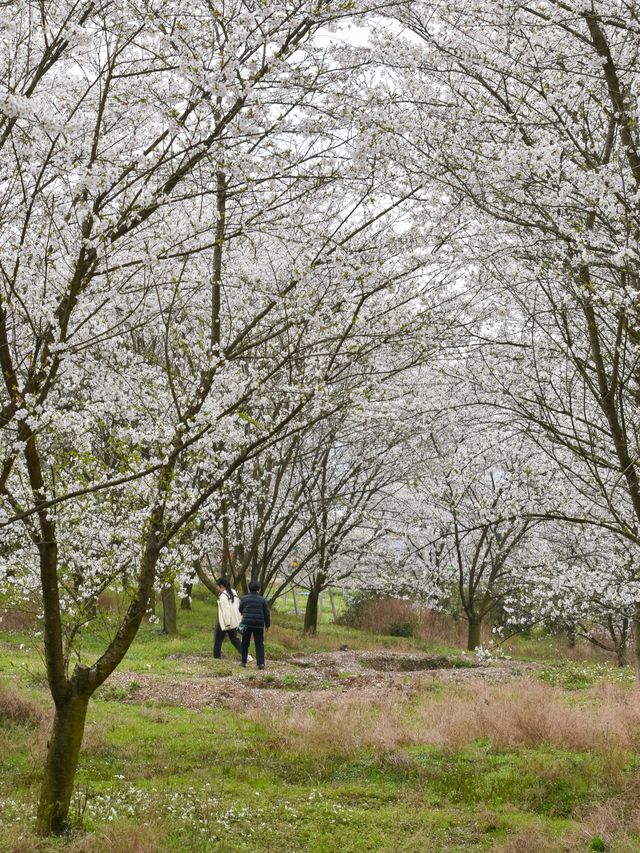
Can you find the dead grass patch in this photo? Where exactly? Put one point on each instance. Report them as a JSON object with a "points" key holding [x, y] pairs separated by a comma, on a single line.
{"points": [[285, 637], [110, 602], [17, 619], [94, 741], [15, 709], [387, 615], [532, 839], [31, 737], [340, 727], [530, 714], [125, 838], [524, 714], [614, 822], [7, 744]]}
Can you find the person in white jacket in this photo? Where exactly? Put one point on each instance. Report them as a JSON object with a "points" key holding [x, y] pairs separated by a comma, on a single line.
{"points": [[228, 617]]}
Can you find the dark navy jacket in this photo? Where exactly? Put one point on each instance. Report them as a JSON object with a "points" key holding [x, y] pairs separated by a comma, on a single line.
{"points": [[255, 611]]}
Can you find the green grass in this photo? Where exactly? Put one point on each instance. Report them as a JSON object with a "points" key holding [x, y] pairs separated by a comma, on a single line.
{"points": [[572, 675], [183, 781], [215, 782]]}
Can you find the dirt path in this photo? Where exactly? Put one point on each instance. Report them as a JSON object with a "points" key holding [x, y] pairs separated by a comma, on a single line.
{"points": [[300, 680]]}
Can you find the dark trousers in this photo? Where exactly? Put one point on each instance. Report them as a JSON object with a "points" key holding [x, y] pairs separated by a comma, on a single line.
{"points": [[232, 634], [258, 638]]}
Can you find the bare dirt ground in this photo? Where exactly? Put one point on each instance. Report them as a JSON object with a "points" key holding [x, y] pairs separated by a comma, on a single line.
{"points": [[301, 679]]}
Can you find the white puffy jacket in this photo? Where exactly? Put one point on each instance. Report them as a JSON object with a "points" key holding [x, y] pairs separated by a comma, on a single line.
{"points": [[228, 610]]}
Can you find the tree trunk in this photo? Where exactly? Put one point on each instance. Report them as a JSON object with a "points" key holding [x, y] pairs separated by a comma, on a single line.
{"points": [[636, 641], [185, 599], [151, 603], [71, 696], [474, 631], [333, 604], [311, 612], [169, 610], [204, 576], [620, 639], [241, 584], [61, 764]]}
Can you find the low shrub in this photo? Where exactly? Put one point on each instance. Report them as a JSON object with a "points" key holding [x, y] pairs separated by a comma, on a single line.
{"points": [[401, 629]]}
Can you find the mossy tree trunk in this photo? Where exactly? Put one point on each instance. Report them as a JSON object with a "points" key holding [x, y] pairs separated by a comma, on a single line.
{"points": [[636, 641], [185, 598], [61, 764], [619, 633], [621, 654], [169, 610], [151, 604], [311, 610], [474, 632], [71, 695]]}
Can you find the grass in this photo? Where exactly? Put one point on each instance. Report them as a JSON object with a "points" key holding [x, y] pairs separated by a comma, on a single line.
{"points": [[523, 714], [544, 764]]}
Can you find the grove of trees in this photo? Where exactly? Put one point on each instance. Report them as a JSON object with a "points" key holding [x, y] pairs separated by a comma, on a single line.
{"points": [[324, 291]]}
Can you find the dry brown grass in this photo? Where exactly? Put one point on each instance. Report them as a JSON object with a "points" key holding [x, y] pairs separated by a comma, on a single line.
{"points": [[109, 602], [378, 616], [608, 820], [14, 708], [522, 714], [94, 741], [125, 838], [17, 619], [583, 650], [528, 714], [7, 744], [611, 821], [535, 838], [24, 724], [288, 638]]}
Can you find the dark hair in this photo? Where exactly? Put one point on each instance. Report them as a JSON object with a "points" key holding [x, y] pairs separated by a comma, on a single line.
{"points": [[254, 586], [227, 586]]}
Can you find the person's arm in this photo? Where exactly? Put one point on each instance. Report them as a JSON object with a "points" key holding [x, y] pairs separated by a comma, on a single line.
{"points": [[267, 615], [241, 605]]}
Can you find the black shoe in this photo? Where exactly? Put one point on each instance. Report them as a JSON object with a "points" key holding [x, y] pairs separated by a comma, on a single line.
{"points": [[260, 666], [243, 664]]}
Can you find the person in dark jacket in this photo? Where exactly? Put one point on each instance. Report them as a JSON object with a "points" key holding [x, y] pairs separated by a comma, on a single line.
{"points": [[255, 618]]}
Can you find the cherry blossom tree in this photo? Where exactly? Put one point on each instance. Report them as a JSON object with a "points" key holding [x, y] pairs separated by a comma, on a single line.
{"points": [[467, 539], [587, 585], [174, 246], [520, 119]]}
